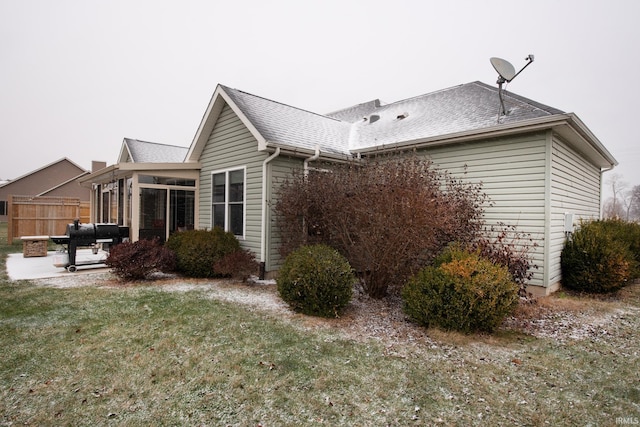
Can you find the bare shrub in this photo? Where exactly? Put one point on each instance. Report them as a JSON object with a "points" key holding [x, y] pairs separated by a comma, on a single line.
{"points": [[389, 216], [138, 260], [239, 264], [505, 245]]}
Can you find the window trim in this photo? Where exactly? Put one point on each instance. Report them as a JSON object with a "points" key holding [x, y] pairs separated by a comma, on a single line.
{"points": [[226, 173]]}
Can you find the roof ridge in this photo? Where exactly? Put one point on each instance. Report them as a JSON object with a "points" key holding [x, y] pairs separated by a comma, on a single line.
{"points": [[375, 103], [278, 102], [41, 168], [155, 143], [535, 104], [424, 94]]}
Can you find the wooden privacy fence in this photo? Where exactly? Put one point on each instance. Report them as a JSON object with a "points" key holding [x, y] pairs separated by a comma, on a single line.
{"points": [[43, 216]]}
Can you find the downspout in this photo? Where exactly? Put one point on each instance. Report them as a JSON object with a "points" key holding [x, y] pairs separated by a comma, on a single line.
{"points": [[313, 158], [305, 164], [601, 206], [263, 228]]}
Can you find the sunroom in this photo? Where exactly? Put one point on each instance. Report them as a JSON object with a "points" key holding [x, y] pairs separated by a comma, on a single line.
{"points": [[153, 198]]}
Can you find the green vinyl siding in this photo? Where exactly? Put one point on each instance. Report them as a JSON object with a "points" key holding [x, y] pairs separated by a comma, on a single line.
{"points": [[279, 170], [231, 146], [575, 188], [512, 173]]}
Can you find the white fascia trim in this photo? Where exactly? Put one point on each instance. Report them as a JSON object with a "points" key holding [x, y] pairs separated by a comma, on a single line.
{"points": [[97, 176], [197, 144], [211, 116], [124, 151], [491, 132], [159, 166], [262, 142], [556, 122], [586, 134], [299, 152]]}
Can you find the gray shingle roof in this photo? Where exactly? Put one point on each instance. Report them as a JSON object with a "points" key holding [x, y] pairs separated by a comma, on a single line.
{"points": [[467, 107], [151, 152], [471, 106], [355, 113], [282, 124]]}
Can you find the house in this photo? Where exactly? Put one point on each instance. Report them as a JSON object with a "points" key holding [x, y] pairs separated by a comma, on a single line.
{"points": [[540, 166], [57, 179]]}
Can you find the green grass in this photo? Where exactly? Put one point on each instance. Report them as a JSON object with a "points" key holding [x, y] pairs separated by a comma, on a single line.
{"points": [[138, 356]]}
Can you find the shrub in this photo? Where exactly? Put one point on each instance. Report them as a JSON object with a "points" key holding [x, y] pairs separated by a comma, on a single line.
{"points": [[316, 280], [624, 232], [197, 251], [593, 261], [240, 264], [465, 293], [389, 216], [138, 260], [505, 245]]}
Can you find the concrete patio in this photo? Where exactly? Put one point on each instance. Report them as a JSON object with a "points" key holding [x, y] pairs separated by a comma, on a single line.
{"points": [[21, 268]]}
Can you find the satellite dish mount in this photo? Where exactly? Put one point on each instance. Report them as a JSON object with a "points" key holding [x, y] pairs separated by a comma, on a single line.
{"points": [[506, 73]]}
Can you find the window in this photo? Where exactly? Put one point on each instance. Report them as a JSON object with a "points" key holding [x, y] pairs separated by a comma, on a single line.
{"points": [[3, 207], [227, 200]]}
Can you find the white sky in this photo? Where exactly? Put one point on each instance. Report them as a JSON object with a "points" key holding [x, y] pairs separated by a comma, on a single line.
{"points": [[77, 76]]}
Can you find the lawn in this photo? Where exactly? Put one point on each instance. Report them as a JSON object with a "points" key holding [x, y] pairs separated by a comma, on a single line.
{"points": [[138, 355]]}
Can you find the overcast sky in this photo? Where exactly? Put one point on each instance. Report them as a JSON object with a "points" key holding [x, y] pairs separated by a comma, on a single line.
{"points": [[78, 76]]}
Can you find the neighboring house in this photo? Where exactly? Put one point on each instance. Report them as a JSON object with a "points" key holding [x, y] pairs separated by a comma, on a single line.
{"points": [[57, 179], [540, 166]]}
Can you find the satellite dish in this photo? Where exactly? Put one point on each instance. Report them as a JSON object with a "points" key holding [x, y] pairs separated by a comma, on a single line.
{"points": [[506, 73], [504, 68]]}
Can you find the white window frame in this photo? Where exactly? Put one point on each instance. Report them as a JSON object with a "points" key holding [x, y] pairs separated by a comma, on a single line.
{"points": [[227, 204]]}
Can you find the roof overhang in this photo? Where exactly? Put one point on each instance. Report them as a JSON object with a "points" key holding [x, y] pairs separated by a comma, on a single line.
{"points": [[120, 170], [568, 126]]}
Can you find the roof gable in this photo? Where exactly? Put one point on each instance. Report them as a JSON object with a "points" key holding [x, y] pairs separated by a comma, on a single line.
{"points": [[219, 99], [273, 124], [43, 169], [282, 124], [136, 151]]}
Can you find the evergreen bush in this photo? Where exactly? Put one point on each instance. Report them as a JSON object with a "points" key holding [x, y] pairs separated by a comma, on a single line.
{"points": [[316, 280], [624, 232], [461, 291], [138, 260], [596, 259], [197, 251]]}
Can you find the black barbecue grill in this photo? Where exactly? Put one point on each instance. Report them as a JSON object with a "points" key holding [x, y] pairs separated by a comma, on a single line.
{"points": [[93, 235]]}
